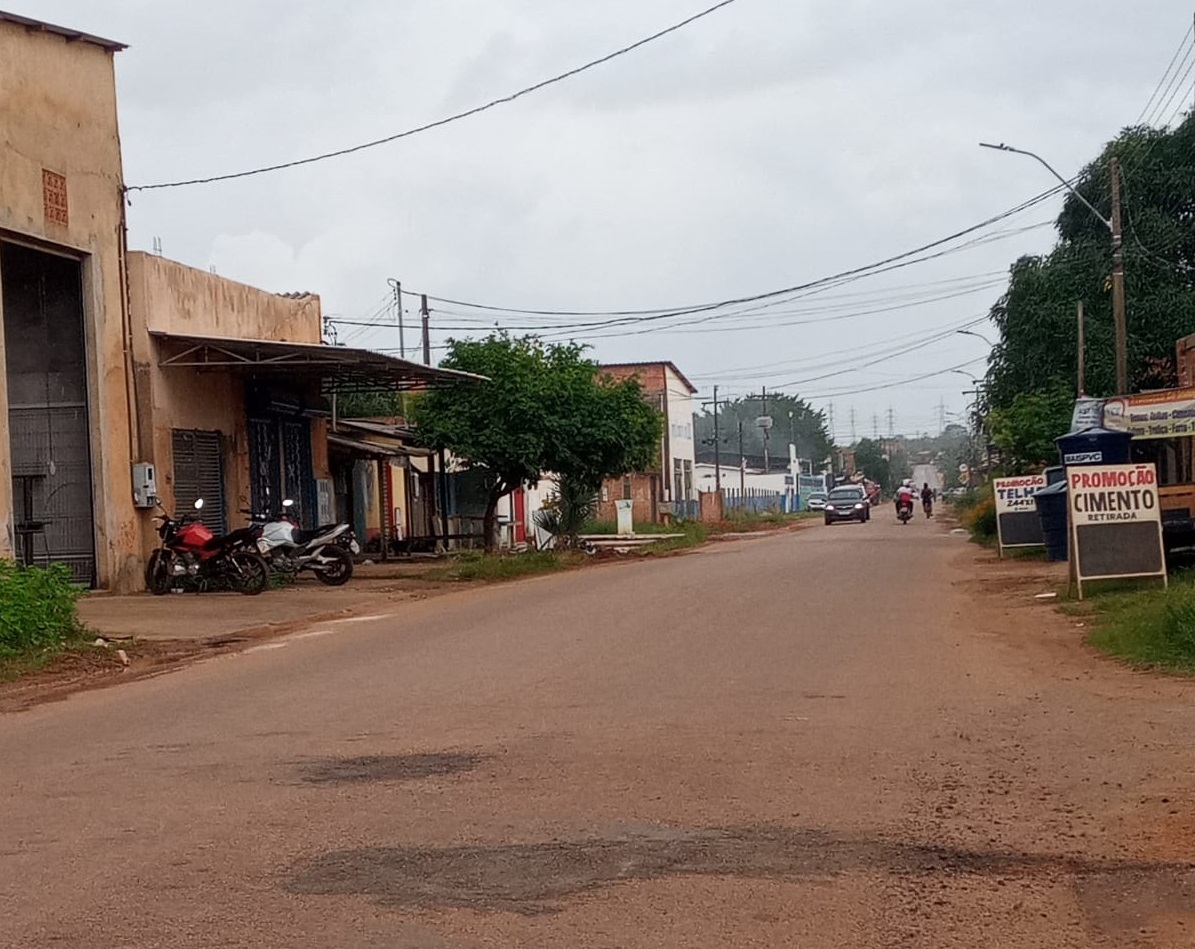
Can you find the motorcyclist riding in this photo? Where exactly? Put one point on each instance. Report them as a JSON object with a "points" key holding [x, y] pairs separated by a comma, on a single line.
{"points": [[927, 499], [904, 496]]}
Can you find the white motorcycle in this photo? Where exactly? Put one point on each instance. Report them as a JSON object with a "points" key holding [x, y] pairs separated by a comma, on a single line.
{"points": [[327, 551]]}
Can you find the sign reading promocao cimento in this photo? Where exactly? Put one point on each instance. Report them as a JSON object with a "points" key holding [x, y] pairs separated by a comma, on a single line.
{"points": [[1116, 522], [1017, 522]]}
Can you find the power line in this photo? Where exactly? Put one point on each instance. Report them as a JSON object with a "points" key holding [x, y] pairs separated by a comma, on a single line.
{"points": [[1181, 46], [692, 309], [448, 120]]}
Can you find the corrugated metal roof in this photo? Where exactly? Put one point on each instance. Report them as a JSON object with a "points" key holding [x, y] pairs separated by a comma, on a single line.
{"points": [[74, 36]]}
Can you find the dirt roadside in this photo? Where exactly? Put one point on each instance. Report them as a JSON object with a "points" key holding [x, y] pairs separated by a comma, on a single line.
{"points": [[97, 662]]}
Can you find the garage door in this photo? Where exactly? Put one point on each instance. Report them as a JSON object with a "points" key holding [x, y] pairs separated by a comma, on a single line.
{"points": [[199, 473]]}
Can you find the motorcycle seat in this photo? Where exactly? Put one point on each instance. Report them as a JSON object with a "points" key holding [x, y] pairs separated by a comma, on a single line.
{"points": [[303, 536]]}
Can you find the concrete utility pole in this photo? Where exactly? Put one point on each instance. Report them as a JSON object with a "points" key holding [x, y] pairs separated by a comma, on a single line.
{"points": [[1118, 306], [742, 463], [1114, 226], [717, 446], [427, 338], [766, 460], [402, 345], [1082, 353]]}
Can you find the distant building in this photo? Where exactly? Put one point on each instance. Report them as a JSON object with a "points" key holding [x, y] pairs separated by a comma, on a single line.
{"points": [[670, 486]]}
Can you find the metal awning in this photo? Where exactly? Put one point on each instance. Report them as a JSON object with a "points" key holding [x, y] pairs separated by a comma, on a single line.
{"points": [[373, 449], [337, 368]]}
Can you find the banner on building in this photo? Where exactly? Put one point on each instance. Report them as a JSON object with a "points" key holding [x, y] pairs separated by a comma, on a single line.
{"points": [[810, 484], [1115, 522], [1169, 413], [1017, 523]]}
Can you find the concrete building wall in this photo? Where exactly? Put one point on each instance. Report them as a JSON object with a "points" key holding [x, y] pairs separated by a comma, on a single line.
{"points": [[58, 127], [168, 296]]}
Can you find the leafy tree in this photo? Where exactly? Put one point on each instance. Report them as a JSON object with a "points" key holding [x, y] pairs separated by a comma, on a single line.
{"points": [[1025, 430], [875, 465], [1037, 351], [543, 408], [377, 404], [807, 427]]}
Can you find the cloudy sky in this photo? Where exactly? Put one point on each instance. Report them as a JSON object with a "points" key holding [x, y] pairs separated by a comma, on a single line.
{"points": [[768, 145]]}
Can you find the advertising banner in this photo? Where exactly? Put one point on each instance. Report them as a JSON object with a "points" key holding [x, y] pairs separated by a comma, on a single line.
{"points": [[1115, 521], [1017, 523], [1166, 414]]}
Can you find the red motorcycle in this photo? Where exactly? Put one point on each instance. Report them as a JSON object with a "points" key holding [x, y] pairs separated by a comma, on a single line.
{"points": [[191, 556]]}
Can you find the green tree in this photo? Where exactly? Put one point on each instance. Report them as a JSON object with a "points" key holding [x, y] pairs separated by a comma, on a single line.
{"points": [[806, 427], [544, 408], [875, 465], [1037, 351], [1025, 430]]}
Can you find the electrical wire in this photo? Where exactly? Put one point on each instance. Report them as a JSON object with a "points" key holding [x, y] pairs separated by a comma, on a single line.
{"points": [[1190, 34], [892, 385], [448, 120]]}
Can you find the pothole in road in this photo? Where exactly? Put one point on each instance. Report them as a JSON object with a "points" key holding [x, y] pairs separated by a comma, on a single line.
{"points": [[367, 768], [534, 878]]}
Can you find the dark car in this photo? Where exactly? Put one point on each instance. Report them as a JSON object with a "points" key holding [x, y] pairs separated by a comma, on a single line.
{"points": [[847, 503]]}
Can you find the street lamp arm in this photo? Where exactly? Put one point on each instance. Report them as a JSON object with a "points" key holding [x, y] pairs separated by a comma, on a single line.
{"points": [[1045, 164]]}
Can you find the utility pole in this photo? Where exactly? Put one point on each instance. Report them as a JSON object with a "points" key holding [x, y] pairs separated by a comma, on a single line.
{"points": [[1118, 314], [831, 423], [766, 460], [941, 416], [427, 339], [402, 345], [1082, 354], [742, 464]]}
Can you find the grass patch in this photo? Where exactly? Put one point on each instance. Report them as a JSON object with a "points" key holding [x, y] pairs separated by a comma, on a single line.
{"points": [[1148, 627], [689, 534], [473, 565], [744, 521], [976, 511], [38, 619], [611, 528]]}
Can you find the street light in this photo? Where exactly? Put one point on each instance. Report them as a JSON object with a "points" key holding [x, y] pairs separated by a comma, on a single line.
{"points": [[976, 335], [1114, 227]]}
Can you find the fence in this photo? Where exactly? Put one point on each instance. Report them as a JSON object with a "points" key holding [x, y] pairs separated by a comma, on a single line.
{"points": [[753, 500]]}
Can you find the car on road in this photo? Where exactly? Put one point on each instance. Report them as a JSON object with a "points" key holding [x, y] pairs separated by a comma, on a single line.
{"points": [[847, 503], [816, 501]]}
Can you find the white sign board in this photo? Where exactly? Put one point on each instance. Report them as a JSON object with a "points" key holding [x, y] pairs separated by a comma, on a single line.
{"points": [[1088, 413], [1115, 522], [1017, 523]]}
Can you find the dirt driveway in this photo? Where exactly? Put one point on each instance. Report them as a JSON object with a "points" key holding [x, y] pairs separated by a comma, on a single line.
{"points": [[851, 736]]}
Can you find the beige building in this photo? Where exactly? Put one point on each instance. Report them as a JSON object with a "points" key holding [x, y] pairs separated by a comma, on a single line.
{"points": [[128, 377]]}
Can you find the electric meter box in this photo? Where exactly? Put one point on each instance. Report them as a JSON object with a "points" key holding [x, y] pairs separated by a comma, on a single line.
{"points": [[145, 485]]}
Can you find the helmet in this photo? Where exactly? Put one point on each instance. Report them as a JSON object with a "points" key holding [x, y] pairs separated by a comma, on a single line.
{"points": [[907, 483]]}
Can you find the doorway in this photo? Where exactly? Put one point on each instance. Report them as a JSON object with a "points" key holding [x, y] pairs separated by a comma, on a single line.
{"points": [[48, 413]]}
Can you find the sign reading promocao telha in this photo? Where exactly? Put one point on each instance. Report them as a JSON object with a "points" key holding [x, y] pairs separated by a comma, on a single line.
{"points": [[1116, 522], [1017, 522]]}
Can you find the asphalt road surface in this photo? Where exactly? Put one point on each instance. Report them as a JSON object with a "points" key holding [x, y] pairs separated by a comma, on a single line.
{"points": [[845, 737]]}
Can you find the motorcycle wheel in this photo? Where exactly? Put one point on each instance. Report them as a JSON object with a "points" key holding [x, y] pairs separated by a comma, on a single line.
{"points": [[248, 572], [157, 572], [336, 571]]}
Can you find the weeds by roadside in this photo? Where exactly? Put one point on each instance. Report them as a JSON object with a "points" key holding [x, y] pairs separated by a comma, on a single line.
{"points": [[1145, 627], [473, 565], [976, 511], [37, 615]]}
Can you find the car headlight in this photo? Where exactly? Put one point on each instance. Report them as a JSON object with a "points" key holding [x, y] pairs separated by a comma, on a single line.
{"points": [[829, 507], [859, 506]]}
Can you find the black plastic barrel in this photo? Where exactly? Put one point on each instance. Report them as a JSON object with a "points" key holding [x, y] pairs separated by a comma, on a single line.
{"points": [[1094, 446], [1051, 508], [1055, 474]]}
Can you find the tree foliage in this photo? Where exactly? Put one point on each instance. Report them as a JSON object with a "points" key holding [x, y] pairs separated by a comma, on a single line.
{"points": [[544, 408], [1025, 430], [1036, 316], [875, 465], [807, 428]]}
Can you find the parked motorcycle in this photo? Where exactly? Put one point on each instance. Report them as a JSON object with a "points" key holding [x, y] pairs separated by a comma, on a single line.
{"points": [[191, 556], [327, 551]]}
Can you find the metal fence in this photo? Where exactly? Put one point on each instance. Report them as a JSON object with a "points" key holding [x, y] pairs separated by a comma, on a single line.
{"points": [[753, 500]]}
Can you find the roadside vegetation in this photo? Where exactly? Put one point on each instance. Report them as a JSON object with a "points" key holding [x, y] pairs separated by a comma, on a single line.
{"points": [[976, 511], [38, 618], [1148, 626]]}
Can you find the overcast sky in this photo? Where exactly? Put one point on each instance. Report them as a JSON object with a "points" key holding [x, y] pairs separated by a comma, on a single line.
{"points": [[770, 144]]}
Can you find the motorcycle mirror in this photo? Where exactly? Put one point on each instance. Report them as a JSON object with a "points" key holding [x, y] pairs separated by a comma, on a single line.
{"points": [[199, 504], [288, 503]]}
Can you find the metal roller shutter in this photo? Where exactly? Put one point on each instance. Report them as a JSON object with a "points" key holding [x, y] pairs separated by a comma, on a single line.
{"points": [[199, 473]]}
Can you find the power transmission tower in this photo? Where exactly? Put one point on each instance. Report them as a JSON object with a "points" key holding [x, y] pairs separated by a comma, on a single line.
{"points": [[853, 434], [875, 426], [831, 413], [941, 416], [891, 423]]}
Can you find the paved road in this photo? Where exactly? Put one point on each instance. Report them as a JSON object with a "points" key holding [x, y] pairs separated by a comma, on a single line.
{"points": [[779, 742]]}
